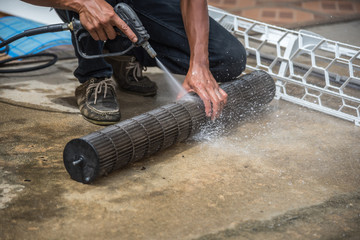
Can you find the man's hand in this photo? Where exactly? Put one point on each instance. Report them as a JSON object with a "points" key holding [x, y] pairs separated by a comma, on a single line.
{"points": [[97, 16], [200, 80], [99, 19]]}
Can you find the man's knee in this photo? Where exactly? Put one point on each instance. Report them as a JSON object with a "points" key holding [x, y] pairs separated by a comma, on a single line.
{"points": [[237, 62], [231, 61]]}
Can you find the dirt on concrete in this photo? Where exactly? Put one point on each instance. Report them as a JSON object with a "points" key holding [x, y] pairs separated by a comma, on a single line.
{"points": [[288, 173]]}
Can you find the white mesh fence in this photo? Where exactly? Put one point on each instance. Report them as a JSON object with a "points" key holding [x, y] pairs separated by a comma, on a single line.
{"points": [[309, 69]]}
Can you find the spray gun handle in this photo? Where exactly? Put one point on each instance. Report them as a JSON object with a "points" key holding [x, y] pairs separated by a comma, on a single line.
{"points": [[80, 33], [78, 29], [130, 18], [127, 14]]}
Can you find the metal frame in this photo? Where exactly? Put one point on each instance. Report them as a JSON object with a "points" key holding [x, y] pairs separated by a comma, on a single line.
{"points": [[309, 70]]}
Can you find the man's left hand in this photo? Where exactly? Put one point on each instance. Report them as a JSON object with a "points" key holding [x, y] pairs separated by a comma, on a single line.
{"points": [[200, 80]]}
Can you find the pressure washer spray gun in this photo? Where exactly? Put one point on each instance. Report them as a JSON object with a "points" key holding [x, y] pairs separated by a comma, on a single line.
{"points": [[125, 12], [128, 15]]}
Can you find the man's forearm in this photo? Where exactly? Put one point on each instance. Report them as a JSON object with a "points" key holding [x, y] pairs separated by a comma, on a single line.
{"points": [[199, 78], [196, 22], [73, 5], [97, 16]]}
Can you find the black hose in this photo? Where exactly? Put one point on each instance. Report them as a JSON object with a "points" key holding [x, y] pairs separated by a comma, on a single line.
{"points": [[52, 61], [27, 33], [35, 31], [6, 49]]}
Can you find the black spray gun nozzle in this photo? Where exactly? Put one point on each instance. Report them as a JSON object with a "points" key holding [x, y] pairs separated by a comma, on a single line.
{"points": [[149, 49]]}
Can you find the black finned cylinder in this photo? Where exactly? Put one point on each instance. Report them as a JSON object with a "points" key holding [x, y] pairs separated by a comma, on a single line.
{"points": [[113, 147]]}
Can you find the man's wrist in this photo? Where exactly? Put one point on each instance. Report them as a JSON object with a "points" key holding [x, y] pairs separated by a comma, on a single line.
{"points": [[199, 62]]}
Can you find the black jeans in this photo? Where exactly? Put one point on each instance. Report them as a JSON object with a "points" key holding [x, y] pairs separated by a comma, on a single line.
{"points": [[163, 21]]}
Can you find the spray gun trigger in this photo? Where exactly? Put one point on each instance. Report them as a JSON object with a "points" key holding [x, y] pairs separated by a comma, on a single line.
{"points": [[82, 35]]}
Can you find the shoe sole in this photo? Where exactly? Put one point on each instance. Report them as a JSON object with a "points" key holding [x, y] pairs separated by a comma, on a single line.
{"points": [[101, 123]]}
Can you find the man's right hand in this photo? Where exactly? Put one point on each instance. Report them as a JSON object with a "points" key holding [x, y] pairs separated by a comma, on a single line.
{"points": [[99, 19], [97, 16]]}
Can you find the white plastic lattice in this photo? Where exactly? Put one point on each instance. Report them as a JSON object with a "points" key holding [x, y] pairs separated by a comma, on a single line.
{"points": [[309, 69]]}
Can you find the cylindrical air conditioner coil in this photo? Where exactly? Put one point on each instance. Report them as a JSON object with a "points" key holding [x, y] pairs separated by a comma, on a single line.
{"points": [[113, 147]]}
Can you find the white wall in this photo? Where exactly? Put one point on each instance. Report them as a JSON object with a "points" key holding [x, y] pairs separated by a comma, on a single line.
{"points": [[25, 10]]}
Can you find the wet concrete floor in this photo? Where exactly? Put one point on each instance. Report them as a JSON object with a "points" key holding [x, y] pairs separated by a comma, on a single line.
{"points": [[287, 173]]}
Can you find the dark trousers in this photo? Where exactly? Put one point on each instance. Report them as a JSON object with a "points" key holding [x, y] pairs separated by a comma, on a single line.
{"points": [[163, 22]]}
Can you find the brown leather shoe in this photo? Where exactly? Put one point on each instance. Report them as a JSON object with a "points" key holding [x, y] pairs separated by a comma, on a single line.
{"points": [[97, 101], [127, 73]]}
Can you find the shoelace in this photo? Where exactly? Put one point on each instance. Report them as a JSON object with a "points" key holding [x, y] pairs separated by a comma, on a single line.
{"points": [[98, 88], [136, 67]]}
